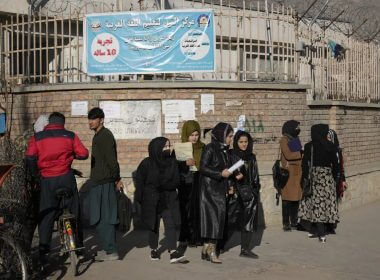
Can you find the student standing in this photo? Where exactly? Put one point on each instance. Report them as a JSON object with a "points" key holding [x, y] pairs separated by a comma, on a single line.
{"points": [[105, 180]]}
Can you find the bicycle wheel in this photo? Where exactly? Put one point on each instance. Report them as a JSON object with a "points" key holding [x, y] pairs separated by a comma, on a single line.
{"points": [[13, 261]]}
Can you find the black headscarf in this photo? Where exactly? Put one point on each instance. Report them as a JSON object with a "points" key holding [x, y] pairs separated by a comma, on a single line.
{"points": [[290, 128], [247, 154], [319, 136], [166, 167], [220, 132]]}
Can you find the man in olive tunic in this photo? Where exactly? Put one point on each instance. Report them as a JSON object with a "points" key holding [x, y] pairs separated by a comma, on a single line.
{"points": [[105, 180]]}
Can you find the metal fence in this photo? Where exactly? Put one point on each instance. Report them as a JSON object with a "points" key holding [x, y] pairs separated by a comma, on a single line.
{"points": [[347, 72], [254, 42]]}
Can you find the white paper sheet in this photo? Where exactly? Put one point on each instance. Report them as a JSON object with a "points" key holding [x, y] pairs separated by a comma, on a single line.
{"points": [[207, 103], [236, 166], [79, 108], [183, 152], [171, 123], [185, 109]]}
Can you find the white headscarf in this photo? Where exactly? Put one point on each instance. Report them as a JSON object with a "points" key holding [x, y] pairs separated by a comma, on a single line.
{"points": [[40, 123]]}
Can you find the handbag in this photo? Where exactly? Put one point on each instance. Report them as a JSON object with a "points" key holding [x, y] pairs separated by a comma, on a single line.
{"points": [[246, 192], [280, 174], [307, 183]]}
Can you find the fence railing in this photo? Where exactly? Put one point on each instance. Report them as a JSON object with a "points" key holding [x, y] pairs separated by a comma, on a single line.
{"points": [[340, 68], [253, 43], [47, 48]]}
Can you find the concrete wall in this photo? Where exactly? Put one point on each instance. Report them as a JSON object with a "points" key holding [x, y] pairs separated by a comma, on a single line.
{"points": [[266, 108]]}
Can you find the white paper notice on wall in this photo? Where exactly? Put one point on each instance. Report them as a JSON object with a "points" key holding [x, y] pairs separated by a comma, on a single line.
{"points": [[171, 123], [184, 109], [240, 123], [207, 103], [111, 109], [138, 119], [79, 108]]}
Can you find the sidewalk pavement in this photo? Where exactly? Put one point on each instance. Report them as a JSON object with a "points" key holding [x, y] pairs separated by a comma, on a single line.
{"points": [[353, 253]]}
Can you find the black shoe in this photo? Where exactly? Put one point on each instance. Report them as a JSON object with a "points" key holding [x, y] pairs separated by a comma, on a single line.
{"points": [[287, 228], [294, 227], [154, 255], [248, 254], [177, 257]]}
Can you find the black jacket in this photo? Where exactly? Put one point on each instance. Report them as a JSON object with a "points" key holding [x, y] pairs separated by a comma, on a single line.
{"points": [[213, 189], [321, 157], [244, 214], [149, 195]]}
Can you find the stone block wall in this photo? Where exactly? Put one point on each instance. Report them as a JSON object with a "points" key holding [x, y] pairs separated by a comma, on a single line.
{"points": [[266, 108]]}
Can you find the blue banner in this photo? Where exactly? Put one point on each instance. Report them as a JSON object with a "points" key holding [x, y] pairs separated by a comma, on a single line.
{"points": [[167, 41]]}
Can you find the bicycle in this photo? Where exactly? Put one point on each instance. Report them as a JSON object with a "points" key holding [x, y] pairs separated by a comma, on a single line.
{"points": [[67, 227], [14, 262]]}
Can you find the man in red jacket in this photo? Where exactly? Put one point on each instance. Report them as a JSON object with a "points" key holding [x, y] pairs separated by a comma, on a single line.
{"points": [[50, 154]]}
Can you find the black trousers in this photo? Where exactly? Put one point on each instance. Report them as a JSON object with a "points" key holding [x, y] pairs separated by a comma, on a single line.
{"points": [[289, 212], [50, 208], [170, 231]]}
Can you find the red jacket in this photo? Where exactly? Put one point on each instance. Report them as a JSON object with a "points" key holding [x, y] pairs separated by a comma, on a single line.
{"points": [[54, 149]]}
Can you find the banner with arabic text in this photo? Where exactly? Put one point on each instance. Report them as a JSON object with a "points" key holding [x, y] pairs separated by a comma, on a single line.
{"points": [[167, 41]]}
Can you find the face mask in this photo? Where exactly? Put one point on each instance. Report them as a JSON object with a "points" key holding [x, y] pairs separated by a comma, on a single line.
{"points": [[296, 132], [166, 153]]}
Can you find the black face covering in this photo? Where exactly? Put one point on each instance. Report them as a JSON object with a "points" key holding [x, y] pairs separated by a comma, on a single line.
{"points": [[165, 165], [296, 132], [291, 128], [166, 153]]}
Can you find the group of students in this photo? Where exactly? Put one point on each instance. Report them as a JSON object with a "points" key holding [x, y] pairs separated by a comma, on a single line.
{"points": [[200, 196], [212, 202], [205, 203], [316, 212]]}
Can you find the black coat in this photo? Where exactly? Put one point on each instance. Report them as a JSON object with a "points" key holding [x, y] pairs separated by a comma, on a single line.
{"points": [[149, 196], [213, 189], [244, 214]]}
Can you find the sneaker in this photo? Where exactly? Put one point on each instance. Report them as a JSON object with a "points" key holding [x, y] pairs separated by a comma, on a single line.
{"points": [[177, 257], [310, 235], [107, 257], [322, 239], [248, 254], [154, 255]]}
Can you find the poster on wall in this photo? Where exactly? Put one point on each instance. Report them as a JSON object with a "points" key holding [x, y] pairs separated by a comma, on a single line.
{"points": [[79, 108], [167, 41], [184, 109], [139, 119]]}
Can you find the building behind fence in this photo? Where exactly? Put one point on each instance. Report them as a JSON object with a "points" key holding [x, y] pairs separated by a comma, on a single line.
{"points": [[254, 42]]}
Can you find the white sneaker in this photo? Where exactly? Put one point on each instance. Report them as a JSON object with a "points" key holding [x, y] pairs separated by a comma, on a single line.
{"points": [[322, 239]]}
